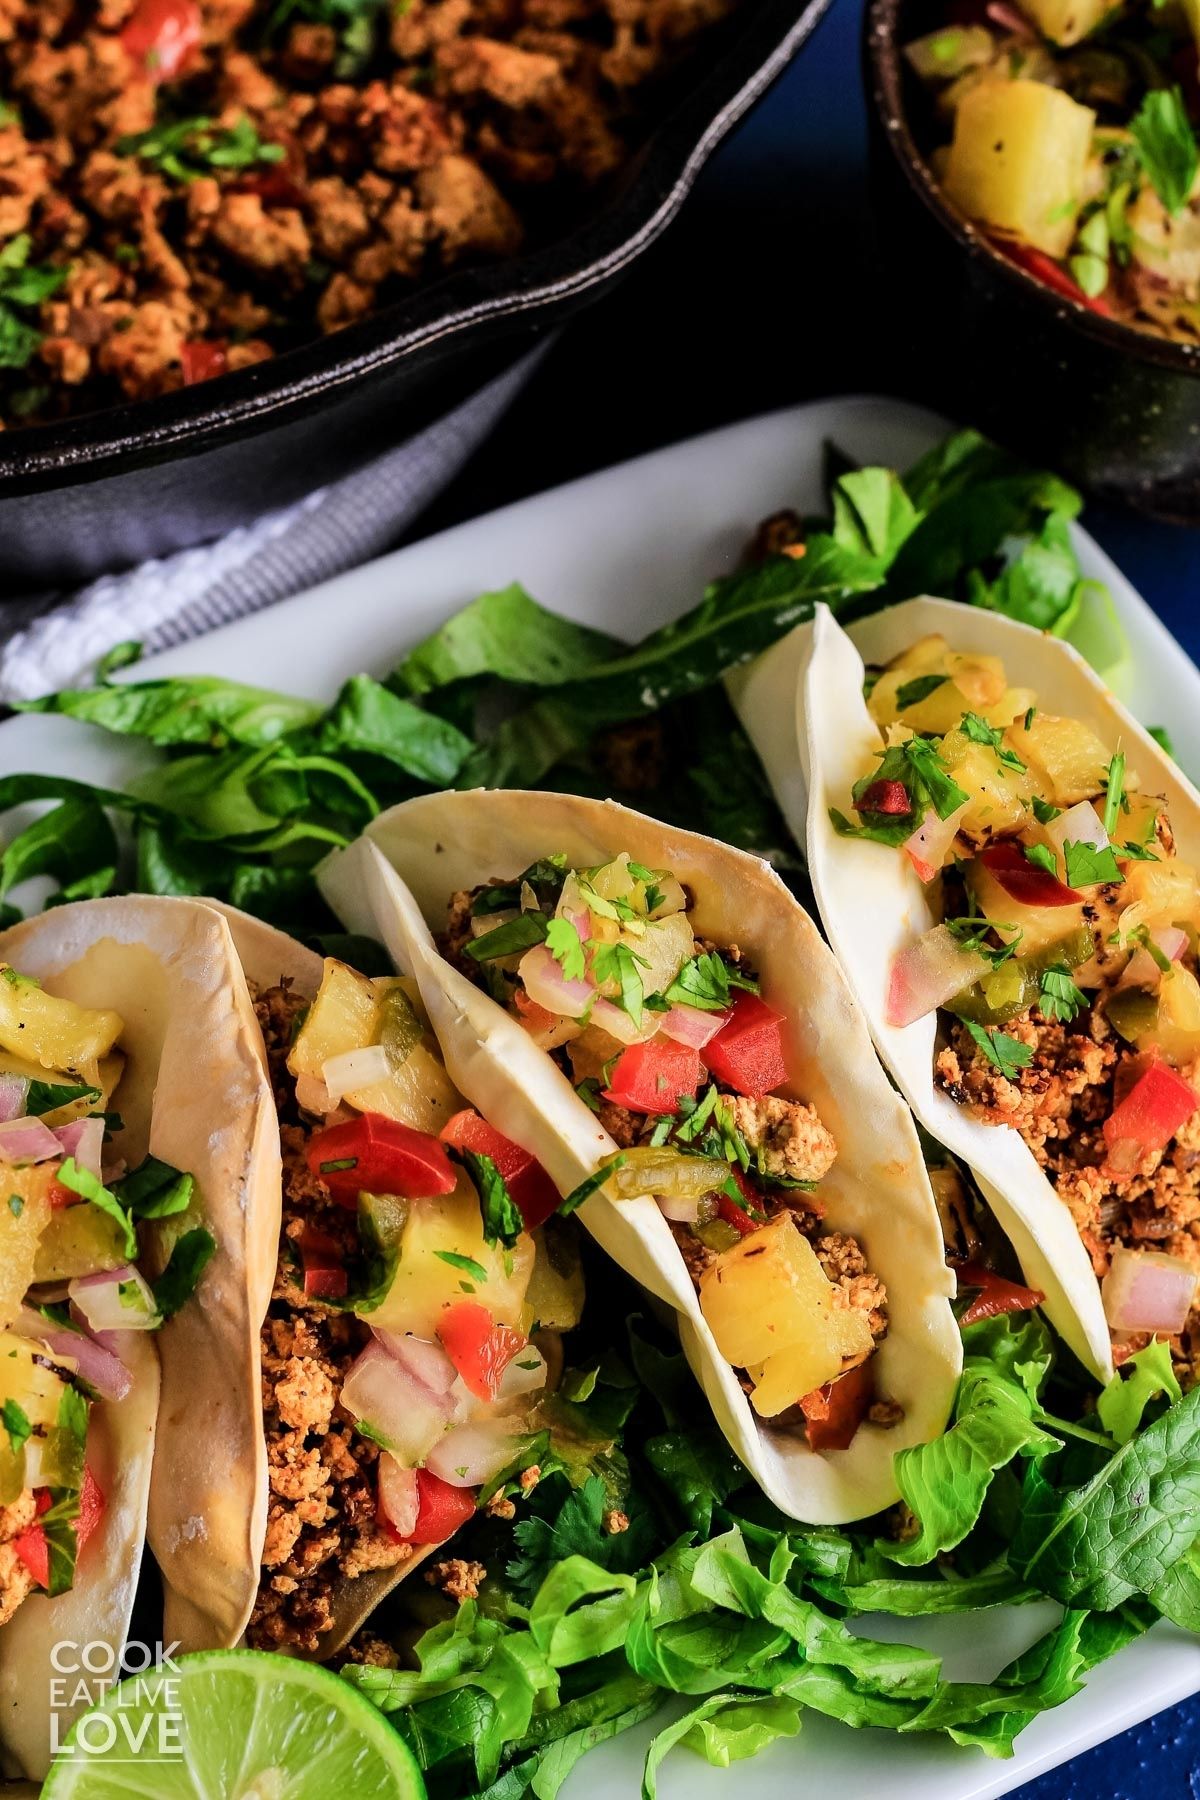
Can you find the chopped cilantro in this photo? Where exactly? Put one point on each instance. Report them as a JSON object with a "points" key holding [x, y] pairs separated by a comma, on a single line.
{"points": [[639, 871], [1043, 812], [563, 943], [189, 1258], [589, 1092], [911, 693], [1042, 857], [1088, 867], [971, 931], [194, 147], [1030, 715], [506, 940], [467, 1264], [23, 287], [1162, 738], [944, 793], [705, 981], [154, 1190], [16, 1205], [1131, 852], [1005, 1053], [1166, 146], [91, 1188], [48, 1096], [502, 1221], [1114, 793], [980, 732], [338, 1164], [1059, 998], [16, 1423], [699, 1115], [617, 962]]}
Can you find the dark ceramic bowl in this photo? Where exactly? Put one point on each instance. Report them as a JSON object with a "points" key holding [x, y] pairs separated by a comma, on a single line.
{"points": [[1115, 409], [108, 489]]}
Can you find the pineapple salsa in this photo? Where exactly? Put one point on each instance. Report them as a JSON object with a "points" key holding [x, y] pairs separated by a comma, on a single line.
{"points": [[1072, 144], [668, 1040], [68, 1248], [1065, 962], [420, 1287]]}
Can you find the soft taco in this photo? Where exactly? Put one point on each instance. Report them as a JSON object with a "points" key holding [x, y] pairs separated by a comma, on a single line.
{"points": [[664, 1028], [401, 1369], [1006, 864], [114, 1180]]}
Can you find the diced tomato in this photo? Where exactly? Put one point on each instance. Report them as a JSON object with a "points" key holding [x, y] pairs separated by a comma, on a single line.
{"points": [[325, 1275], [745, 1218], [373, 1155], [1025, 881], [526, 1180], [201, 359], [890, 797], [31, 1545], [747, 1053], [995, 1296], [441, 1509], [1156, 1106], [274, 187], [1043, 268], [654, 1077], [533, 1016], [60, 1196], [161, 35], [833, 1413], [480, 1349]]}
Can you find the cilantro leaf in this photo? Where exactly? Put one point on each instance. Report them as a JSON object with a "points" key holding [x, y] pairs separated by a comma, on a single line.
{"points": [[705, 981], [617, 962], [980, 732], [91, 1188], [517, 934], [564, 945], [1043, 812], [911, 693], [1166, 146], [467, 1264], [1042, 857], [48, 1096], [944, 792], [1088, 867], [16, 1423], [587, 1188], [1114, 793], [1058, 997], [1005, 1053], [194, 147], [502, 1221], [154, 1190], [188, 1260]]}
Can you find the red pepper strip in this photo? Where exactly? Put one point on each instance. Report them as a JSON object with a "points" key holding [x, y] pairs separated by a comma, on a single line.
{"points": [[31, 1545], [654, 1077], [745, 1218], [1158, 1103], [325, 1276], [373, 1155], [1024, 881], [201, 360], [890, 797], [1043, 268], [747, 1053], [833, 1413], [480, 1349], [995, 1296], [441, 1509], [161, 35], [526, 1180]]}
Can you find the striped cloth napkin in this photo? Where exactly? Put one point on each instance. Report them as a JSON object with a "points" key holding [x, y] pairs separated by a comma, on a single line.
{"points": [[177, 597]]}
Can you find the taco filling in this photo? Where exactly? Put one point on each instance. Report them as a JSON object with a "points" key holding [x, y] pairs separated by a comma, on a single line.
{"points": [[69, 1216], [401, 1371], [668, 1040], [1064, 963]]}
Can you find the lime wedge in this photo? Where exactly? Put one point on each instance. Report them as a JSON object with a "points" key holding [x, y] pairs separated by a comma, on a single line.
{"points": [[234, 1725]]}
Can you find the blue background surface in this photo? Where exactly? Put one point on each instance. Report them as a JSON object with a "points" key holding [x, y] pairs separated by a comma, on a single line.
{"points": [[770, 289]]}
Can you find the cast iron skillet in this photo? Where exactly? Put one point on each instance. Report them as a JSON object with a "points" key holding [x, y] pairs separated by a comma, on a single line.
{"points": [[108, 489], [1113, 408]]}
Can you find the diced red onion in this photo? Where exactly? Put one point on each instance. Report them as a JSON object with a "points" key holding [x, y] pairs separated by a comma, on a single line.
{"points": [[930, 843], [424, 1360], [14, 1091], [403, 1415], [84, 1140], [680, 1212], [362, 1068], [313, 1096], [1147, 1290], [1080, 824], [98, 1298], [1009, 19], [472, 1454], [619, 1025], [99, 1364], [689, 1025], [520, 1377], [399, 1496], [27, 1141], [928, 973], [545, 982], [1142, 971]]}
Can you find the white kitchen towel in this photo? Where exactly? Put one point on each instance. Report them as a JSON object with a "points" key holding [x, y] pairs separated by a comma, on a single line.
{"points": [[177, 597]]}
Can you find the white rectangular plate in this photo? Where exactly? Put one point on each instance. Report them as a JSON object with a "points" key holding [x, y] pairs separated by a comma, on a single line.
{"points": [[628, 550]]}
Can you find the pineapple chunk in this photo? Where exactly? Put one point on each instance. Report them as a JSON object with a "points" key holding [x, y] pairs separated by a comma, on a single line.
{"points": [[1176, 1030], [770, 1307], [1018, 160], [555, 1295], [425, 1284], [926, 657], [24, 1214], [662, 949], [1036, 926], [79, 1240], [352, 1012], [1169, 892], [998, 796], [979, 679], [1065, 753], [53, 1033], [1066, 21]]}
